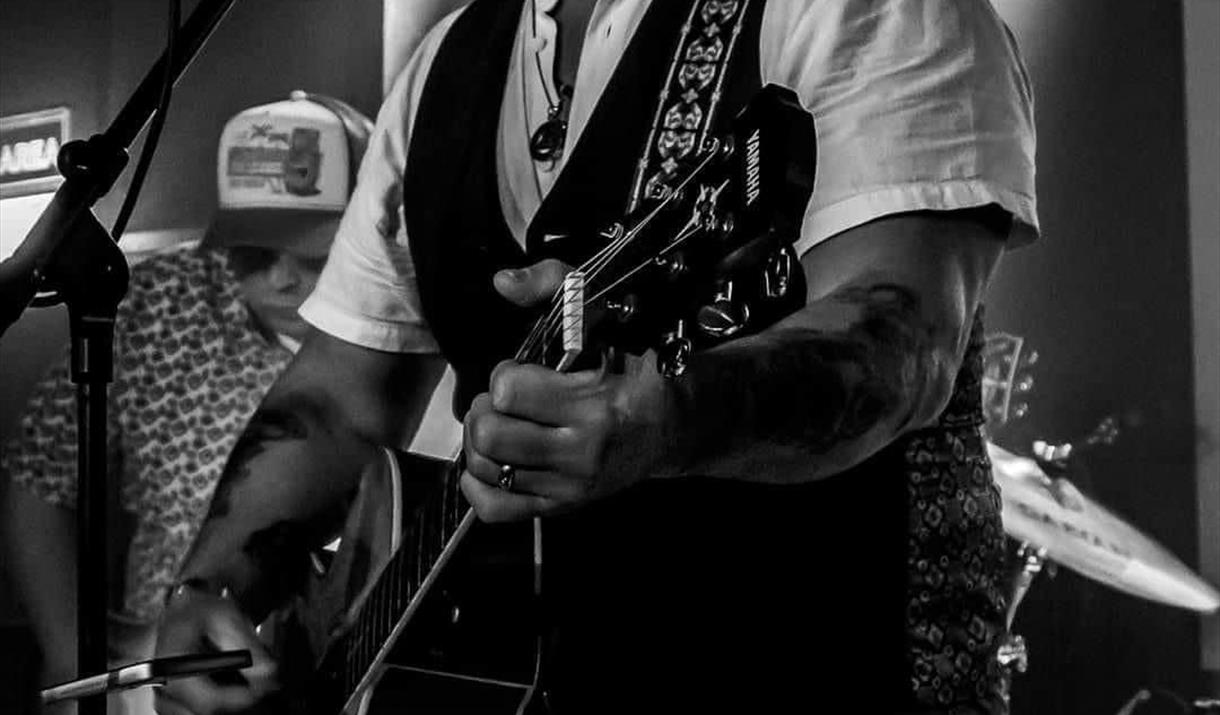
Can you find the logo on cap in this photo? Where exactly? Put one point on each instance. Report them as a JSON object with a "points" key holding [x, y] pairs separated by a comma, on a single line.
{"points": [[276, 161]]}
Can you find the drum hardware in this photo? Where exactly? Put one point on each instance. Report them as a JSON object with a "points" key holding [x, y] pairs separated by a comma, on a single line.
{"points": [[1013, 653], [1200, 706], [1055, 523]]}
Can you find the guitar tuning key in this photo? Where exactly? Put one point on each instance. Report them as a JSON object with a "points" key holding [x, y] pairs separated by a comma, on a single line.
{"points": [[724, 317], [613, 233], [674, 264], [722, 147], [777, 276], [623, 310], [673, 356], [727, 147], [724, 226]]}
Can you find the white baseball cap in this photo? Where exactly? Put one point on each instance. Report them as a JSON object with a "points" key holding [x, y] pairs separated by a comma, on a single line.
{"points": [[285, 171]]}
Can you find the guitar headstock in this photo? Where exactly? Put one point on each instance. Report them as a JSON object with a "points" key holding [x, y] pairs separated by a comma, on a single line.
{"points": [[1007, 364], [705, 258]]}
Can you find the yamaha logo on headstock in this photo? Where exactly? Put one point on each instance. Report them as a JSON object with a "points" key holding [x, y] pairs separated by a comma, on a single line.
{"points": [[774, 156]]}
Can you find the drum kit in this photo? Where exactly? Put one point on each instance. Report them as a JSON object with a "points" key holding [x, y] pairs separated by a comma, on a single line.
{"points": [[1053, 522]]}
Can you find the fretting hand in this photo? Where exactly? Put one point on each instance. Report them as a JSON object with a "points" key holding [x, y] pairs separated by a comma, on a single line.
{"points": [[569, 438]]}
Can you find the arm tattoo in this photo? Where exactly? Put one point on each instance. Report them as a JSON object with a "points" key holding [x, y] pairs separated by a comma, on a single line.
{"points": [[280, 552], [269, 424], [270, 536], [815, 389]]}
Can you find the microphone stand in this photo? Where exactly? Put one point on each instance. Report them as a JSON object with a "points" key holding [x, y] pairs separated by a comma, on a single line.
{"points": [[69, 257]]}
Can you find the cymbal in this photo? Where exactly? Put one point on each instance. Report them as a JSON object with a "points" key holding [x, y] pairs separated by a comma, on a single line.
{"points": [[1091, 540]]}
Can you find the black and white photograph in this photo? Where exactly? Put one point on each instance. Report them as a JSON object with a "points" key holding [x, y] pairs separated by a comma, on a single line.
{"points": [[610, 357]]}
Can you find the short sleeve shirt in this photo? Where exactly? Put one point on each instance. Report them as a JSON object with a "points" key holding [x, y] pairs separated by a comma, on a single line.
{"points": [[917, 106], [190, 369]]}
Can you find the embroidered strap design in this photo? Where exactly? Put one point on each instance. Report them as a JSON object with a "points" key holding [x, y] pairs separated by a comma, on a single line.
{"points": [[690, 95]]}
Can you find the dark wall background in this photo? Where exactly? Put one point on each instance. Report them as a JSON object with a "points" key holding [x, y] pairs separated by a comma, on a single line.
{"points": [[1105, 299]]}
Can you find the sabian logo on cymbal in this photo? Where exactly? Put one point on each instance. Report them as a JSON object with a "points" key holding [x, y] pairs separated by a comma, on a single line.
{"points": [[1072, 530]]}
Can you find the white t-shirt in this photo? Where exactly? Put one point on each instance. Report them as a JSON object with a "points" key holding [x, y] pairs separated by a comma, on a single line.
{"points": [[918, 105]]}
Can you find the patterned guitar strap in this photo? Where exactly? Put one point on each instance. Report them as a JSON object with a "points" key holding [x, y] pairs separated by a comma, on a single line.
{"points": [[689, 97]]}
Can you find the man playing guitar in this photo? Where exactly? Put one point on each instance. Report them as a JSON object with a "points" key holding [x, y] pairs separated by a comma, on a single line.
{"points": [[805, 515]]}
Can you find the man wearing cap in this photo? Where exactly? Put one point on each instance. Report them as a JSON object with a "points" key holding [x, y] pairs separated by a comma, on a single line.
{"points": [[200, 337]]}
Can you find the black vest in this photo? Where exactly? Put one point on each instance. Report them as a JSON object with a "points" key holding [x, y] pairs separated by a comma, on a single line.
{"points": [[452, 207], [683, 589]]}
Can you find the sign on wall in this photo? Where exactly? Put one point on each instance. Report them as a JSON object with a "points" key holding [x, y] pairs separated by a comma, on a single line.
{"points": [[29, 144]]}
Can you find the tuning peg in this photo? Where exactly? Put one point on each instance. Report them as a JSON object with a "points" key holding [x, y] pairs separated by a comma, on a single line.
{"points": [[623, 310], [613, 232], [1020, 410], [723, 226], [721, 147], [724, 317], [1025, 384], [674, 354], [674, 264], [778, 275], [1030, 359]]}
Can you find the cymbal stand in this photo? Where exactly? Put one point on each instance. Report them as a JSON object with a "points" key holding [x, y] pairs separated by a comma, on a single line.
{"points": [[1013, 653]]}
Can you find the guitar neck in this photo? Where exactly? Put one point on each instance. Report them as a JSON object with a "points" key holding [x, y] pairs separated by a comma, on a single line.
{"points": [[431, 532], [435, 525]]}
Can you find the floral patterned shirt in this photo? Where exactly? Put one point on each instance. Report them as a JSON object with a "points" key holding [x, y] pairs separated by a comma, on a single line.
{"points": [[190, 369]]}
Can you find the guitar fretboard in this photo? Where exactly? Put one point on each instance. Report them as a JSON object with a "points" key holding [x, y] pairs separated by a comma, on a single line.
{"points": [[431, 533], [428, 537]]}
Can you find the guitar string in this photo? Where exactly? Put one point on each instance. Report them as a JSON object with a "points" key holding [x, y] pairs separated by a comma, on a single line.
{"points": [[544, 329], [592, 267], [603, 258], [373, 618], [547, 328], [693, 225]]}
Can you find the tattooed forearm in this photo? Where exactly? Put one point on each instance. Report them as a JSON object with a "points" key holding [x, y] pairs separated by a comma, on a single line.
{"points": [[280, 553], [269, 424], [847, 380], [284, 490]]}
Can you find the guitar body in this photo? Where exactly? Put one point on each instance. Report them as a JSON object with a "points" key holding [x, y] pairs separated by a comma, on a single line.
{"points": [[464, 647]]}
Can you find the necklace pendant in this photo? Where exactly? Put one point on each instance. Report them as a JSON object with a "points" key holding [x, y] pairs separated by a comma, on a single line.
{"points": [[546, 144]]}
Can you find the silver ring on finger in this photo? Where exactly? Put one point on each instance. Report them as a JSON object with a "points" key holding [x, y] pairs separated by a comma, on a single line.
{"points": [[508, 477]]}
